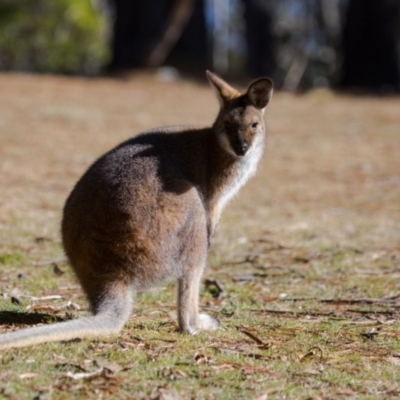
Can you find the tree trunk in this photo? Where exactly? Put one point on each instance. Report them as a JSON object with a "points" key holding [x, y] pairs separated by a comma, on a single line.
{"points": [[137, 26], [260, 39], [151, 32], [370, 45]]}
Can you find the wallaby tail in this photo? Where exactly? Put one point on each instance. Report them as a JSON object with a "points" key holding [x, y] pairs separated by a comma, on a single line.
{"points": [[109, 320]]}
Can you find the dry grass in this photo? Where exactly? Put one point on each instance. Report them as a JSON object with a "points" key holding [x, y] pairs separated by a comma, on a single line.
{"points": [[308, 255]]}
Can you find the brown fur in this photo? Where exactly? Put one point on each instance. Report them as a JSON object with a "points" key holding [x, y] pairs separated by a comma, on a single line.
{"points": [[145, 212]]}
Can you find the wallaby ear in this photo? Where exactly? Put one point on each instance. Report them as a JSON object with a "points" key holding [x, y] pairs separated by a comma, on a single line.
{"points": [[224, 91], [260, 92]]}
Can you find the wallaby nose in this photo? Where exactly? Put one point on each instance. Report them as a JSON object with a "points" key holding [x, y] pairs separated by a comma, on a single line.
{"points": [[241, 148]]}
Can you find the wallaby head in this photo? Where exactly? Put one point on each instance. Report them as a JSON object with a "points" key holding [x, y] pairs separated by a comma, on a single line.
{"points": [[240, 123], [146, 211]]}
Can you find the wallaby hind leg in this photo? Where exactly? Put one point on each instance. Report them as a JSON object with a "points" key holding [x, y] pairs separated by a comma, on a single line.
{"points": [[189, 319], [111, 306]]}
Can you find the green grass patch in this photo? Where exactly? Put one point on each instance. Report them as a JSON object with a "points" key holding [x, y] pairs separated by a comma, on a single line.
{"points": [[307, 257], [11, 258]]}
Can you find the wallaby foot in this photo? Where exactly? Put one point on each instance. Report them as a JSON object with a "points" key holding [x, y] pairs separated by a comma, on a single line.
{"points": [[204, 323], [207, 323]]}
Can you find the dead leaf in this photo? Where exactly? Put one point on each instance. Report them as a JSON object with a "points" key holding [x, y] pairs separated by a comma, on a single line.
{"points": [[173, 373], [162, 393], [244, 278], [201, 358], [109, 365], [312, 352], [169, 394], [44, 308], [394, 360], [249, 370], [43, 298], [371, 334], [314, 372], [72, 306], [264, 396], [132, 344], [223, 367], [84, 375]]}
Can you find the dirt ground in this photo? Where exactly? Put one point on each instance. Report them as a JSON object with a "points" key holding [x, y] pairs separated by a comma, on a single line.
{"points": [[331, 168], [320, 221]]}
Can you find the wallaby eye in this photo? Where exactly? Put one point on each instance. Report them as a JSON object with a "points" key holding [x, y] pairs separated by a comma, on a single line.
{"points": [[254, 125], [227, 124]]}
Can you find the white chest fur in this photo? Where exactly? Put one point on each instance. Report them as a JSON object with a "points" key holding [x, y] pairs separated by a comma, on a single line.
{"points": [[244, 169]]}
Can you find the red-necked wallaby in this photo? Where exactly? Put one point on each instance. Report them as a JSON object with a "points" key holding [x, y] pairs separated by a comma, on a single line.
{"points": [[145, 212]]}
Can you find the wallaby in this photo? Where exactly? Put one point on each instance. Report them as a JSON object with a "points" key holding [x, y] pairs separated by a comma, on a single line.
{"points": [[145, 212]]}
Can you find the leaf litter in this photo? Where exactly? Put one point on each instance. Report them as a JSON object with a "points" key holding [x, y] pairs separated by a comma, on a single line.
{"points": [[323, 276]]}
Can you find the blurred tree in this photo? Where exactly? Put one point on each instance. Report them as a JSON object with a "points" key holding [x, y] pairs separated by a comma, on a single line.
{"points": [[294, 41], [300, 43], [370, 45], [152, 32], [308, 42], [192, 51], [137, 26], [260, 38], [65, 36]]}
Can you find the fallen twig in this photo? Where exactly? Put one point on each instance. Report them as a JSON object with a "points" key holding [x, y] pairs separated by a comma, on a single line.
{"points": [[295, 313], [357, 301], [386, 301], [84, 375], [43, 298], [250, 335]]}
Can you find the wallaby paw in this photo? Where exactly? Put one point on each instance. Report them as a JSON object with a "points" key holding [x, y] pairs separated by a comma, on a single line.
{"points": [[207, 323], [204, 323]]}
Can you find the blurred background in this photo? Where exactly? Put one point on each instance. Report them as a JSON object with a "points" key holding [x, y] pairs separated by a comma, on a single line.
{"points": [[301, 44]]}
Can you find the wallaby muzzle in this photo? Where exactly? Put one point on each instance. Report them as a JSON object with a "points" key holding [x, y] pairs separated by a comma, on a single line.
{"points": [[240, 147]]}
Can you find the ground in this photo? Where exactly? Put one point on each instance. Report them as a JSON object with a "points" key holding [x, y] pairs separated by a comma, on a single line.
{"points": [[303, 271]]}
